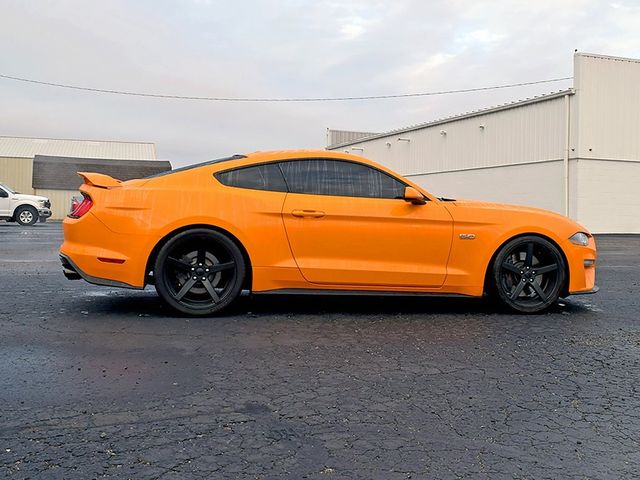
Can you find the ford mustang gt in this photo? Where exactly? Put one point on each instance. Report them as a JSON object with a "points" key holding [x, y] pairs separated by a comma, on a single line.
{"points": [[315, 222]]}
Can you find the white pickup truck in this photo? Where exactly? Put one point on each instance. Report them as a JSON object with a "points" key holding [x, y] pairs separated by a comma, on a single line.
{"points": [[21, 208]]}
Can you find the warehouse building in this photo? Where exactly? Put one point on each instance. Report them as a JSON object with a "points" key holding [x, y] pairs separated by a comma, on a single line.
{"points": [[576, 151], [47, 166]]}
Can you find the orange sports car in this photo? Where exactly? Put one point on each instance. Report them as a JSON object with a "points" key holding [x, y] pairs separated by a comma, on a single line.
{"points": [[315, 222]]}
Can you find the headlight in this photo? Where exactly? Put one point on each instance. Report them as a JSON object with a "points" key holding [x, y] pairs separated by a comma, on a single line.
{"points": [[42, 202], [580, 238]]}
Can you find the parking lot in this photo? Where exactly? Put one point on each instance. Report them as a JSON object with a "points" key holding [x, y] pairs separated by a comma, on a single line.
{"points": [[100, 382]]}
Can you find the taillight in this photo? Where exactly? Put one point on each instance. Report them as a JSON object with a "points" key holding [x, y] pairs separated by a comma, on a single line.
{"points": [[83, 207]]}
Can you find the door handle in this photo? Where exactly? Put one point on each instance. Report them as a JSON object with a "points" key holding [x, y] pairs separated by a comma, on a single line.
{"points": [[308, 213]]}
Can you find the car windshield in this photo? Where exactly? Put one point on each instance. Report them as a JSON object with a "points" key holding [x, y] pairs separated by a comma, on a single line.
{"points": [[10, 190]]}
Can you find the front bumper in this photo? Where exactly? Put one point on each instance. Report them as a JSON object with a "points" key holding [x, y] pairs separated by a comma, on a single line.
{"points": [[595, 289], [582, 268], [44, 213]]}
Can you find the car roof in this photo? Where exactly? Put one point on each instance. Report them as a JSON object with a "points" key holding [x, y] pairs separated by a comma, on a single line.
{"points": [[280, 155], [237, 161], [240, 160], [291, 154]]}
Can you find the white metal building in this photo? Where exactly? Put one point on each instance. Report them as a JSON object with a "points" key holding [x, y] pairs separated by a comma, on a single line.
{"points": [[576, 151], [17, 162]]}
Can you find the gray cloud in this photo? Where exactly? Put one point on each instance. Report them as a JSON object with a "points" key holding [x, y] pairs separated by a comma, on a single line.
{"points": [[283, 48]]}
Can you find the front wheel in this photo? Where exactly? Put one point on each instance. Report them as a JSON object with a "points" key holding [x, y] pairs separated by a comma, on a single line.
{"points": [[528, 274], [26, 215], [199, 272]]}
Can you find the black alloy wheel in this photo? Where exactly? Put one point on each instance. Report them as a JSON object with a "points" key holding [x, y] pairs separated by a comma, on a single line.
{"points": [[528, 274], [199, 272]]}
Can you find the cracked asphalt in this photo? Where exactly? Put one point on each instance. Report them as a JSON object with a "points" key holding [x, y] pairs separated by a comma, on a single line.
{"points": [[97, 382]]}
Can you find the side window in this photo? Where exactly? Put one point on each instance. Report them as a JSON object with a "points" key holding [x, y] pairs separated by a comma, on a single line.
{"points": [[3, 194], [339, 178], [260, 177]]}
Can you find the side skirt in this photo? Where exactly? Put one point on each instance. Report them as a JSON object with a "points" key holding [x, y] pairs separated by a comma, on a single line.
{"points": [[365, 293]]}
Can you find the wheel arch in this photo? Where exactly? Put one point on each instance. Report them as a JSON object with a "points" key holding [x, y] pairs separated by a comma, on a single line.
{"points": [[25, 204], [248, 281], [487, 272]]}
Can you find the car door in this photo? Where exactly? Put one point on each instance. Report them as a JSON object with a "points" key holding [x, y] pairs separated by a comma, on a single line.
{"points": [[4, 203], [347, 224]]}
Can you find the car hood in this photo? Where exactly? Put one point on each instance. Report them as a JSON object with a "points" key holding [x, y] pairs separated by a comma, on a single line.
{"points": [[462, 208], [24, 196], [498, 206]]}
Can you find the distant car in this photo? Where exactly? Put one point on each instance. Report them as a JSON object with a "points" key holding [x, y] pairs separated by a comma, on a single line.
{"points": [[22, 208], [315, 222]]}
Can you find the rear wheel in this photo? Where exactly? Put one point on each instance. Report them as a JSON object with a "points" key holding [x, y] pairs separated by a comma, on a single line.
{"points": [[528, 274], [199, 272], [26, 215]]}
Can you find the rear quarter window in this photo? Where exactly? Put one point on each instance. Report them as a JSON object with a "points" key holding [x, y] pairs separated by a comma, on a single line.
{"points": [[257, 177]]}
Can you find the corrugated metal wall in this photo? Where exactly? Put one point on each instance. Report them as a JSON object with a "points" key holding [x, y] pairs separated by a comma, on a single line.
{"points": [[22, 147], [545, 181], [529, 133], [606, 142], [607, 195], [335, 137], [608, 106], [17, 173]]}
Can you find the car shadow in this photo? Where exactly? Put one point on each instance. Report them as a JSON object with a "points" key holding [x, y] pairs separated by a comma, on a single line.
{"points": [[364, 304], [148, 304]]}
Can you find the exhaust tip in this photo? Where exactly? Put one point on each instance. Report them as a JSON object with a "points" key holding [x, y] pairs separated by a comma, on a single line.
{"points": [[68, 270]]}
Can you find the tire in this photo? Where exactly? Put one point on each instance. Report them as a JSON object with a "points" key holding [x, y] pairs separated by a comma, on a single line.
{"points": [[26, 215], [528, 274], [199, 272]]}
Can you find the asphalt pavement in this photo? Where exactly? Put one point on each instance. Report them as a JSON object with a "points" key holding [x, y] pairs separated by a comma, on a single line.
{"points": [[98, 382]]}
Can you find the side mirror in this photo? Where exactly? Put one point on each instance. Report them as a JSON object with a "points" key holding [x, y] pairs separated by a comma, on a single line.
{"points": [[413, 196]]}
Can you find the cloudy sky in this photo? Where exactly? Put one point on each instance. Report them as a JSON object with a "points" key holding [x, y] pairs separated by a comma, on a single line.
{"points": [[284, 48]]}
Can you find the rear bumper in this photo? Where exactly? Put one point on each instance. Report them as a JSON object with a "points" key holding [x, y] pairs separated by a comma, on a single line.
{"points": [[73, 272], [100, 256]]}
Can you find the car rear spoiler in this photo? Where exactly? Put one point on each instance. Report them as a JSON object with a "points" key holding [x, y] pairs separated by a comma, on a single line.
{"points": [[99, 180]]}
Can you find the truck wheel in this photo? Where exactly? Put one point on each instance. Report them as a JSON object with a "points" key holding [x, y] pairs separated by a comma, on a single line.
{"points": [[26, 215]]}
